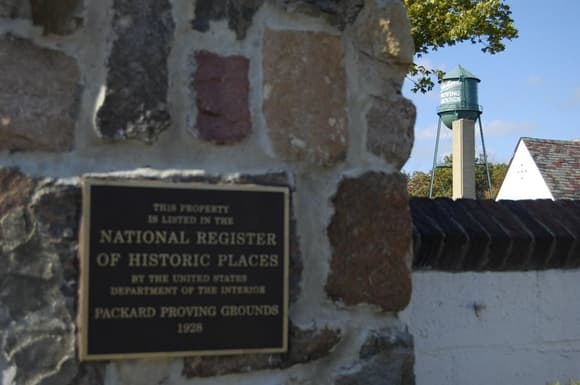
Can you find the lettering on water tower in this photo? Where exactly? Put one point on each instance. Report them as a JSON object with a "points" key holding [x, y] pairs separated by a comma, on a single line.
{"points": [[174, 269], [450, 92]]}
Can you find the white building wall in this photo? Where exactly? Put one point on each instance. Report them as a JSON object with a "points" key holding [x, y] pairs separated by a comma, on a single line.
{"points": [[513, 328], [523, 179]]}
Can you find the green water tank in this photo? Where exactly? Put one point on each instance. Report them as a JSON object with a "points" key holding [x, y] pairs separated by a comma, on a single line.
{"points": [[459, 96]]}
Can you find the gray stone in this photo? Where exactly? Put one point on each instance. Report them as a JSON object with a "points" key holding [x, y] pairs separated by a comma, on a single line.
{"points": [[386, 358], [14, 229], [40, 335], [238, 13], [337, 12], [36, 315], [304, 346], [90, 374], [56, 210], [135, 105], [39, 97], [390, 129], [38, 357]]}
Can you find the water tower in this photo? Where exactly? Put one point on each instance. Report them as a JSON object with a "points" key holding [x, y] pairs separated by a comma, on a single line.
{"points": [[459, 110]]}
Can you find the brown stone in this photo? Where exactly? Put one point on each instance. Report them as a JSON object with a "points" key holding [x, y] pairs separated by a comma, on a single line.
{"points": [[390, 129], [305, 96], [370, 235], [15, 189], [38, 97], [60, 17], [15, 227], [304, 346], [222, 86]]}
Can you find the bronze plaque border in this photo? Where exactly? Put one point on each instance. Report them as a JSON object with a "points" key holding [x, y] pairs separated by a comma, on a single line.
{"points": [[84, 248]]}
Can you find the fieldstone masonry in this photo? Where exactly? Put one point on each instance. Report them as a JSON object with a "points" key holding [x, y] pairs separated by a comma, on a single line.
{"points": [[370, 247], [304, 94], [305, 122], [395, 144], [222, 88], [135, 105], [38, 98]]}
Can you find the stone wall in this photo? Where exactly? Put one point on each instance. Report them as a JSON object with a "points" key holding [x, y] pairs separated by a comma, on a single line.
{"points": [[304, 94]]}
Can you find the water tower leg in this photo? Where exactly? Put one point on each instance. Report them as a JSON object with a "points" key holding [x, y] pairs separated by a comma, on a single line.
{"points": [[434, 167], [485, 159], [463, 159]]}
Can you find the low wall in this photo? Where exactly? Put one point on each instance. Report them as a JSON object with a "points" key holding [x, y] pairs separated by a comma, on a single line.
{"points": [[495, 291], [495, 328]]}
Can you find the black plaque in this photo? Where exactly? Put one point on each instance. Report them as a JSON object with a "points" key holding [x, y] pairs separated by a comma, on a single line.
{"points": [[175, 269]]}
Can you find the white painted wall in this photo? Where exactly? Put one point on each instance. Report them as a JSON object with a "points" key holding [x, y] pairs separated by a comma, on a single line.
{"points": [[516, 328], [523, 179]]}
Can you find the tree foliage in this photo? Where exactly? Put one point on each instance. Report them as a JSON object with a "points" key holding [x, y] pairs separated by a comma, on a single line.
{"points": [[440, 23], [418, 182]]}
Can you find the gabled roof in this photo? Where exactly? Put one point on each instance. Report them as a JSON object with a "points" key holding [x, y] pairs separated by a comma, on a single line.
{"points": [[559, 164]]}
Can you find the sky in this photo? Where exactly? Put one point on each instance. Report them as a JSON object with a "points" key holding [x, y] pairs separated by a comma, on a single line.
{"points": [[530, 89]]}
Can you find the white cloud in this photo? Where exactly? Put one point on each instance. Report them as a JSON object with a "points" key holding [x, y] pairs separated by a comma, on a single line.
{"points": [[430, 133], [422, 155], [500, 127], [576, 97], [535, 80], [427, 63], [422, 61]]}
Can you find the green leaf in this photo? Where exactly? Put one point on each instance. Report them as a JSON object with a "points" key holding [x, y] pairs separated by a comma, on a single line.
{"points": [[437, 24]]}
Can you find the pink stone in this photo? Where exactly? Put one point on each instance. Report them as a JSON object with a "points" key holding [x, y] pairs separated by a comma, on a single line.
{"points": [[221, 85]]}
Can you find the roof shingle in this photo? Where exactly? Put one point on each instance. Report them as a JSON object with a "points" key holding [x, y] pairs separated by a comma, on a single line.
{"points": [[559, 164]]}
